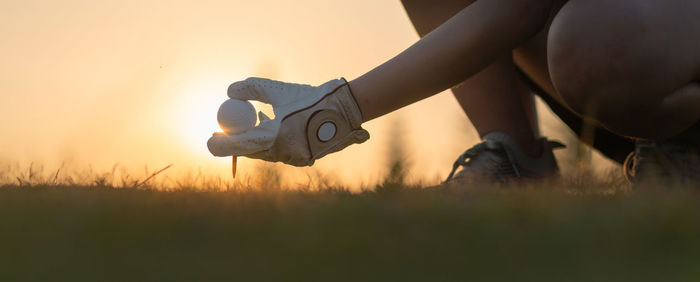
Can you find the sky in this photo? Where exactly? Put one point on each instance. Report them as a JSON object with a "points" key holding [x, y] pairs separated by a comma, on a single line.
{"points": [[138, 83]]}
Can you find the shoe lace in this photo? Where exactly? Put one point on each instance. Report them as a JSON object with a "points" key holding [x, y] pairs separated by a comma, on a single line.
{"points": [[471, 153], [628, 167]]}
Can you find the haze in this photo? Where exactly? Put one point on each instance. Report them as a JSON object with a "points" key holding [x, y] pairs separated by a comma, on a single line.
{"points": [[139, 82]]}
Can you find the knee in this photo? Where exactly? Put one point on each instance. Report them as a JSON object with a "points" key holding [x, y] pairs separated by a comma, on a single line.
{"points": [[532, 14], [594, 54]]}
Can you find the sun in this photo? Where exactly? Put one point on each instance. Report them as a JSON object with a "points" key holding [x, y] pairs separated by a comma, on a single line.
{"points": [[194, 112]]}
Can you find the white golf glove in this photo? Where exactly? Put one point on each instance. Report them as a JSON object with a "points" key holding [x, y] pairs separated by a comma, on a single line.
{"points": [[310, 122]]}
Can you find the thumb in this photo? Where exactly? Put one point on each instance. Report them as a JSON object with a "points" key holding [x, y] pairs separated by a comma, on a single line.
{"points": [[254, 140]]}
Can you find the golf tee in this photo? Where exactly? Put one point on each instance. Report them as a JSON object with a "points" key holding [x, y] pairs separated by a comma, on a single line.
{"points": [[234, 162]]}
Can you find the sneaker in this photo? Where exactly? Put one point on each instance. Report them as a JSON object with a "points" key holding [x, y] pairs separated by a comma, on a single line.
{"points": [[666, 161], [499, 159]]}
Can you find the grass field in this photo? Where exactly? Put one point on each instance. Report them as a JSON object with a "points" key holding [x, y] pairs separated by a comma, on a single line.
{"points": [[393, 233]]}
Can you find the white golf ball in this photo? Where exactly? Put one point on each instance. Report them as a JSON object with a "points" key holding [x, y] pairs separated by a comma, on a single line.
{"points": [[236, 116]]}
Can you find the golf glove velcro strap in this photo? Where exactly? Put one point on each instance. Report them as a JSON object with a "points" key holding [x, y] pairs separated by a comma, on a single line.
{"points": [[310, 122]]}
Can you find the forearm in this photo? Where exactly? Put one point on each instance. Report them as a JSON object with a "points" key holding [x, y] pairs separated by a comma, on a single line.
{"points": [[459, 48]]}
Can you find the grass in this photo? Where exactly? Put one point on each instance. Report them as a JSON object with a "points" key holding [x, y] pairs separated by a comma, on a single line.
{"points": [[568, 231]]}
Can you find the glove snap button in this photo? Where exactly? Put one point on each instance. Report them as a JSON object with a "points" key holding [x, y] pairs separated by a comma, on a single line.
{"points": [[326, 131]]}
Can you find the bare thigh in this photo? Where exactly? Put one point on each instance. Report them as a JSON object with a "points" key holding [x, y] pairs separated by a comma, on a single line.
{"points": [[531, 57], [633, 66]]}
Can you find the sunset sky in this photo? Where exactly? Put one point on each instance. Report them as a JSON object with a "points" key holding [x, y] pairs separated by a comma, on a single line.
{"points": [[139, 82]]}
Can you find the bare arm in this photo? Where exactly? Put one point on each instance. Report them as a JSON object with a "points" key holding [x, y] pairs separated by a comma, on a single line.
{"points": [[459, 48]]}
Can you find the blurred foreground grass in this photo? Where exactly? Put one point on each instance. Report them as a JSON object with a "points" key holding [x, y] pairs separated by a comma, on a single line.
{"points": [[54, 232]]}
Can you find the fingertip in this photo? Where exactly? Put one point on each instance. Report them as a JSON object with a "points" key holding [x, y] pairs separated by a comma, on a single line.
{"points": [[213, 146], [220, 145], [236, 87], [246, 89]]}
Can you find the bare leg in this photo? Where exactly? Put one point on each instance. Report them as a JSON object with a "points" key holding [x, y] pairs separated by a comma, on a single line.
{"points": [[470, 41], [493, 99], [634, 69], [496, 100]]}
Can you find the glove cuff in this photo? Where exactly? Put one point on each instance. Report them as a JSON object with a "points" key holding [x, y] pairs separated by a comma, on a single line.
{"points": [[349, 105], [334, 123]]}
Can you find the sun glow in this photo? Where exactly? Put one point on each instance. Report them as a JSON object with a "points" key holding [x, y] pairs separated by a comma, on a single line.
{"points": [[194, 112]]}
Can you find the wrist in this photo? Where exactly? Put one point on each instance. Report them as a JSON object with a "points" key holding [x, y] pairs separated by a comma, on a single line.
{"points": [[349, 105]]}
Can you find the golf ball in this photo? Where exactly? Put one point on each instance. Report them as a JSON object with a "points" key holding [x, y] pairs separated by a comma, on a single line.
{"points": [[236, 116]]}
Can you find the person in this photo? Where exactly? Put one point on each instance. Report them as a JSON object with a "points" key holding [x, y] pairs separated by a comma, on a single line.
{"points": [[626, 70]]}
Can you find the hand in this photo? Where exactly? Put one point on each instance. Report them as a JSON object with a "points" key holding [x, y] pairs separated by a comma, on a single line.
{"points": [[310, 122]]}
